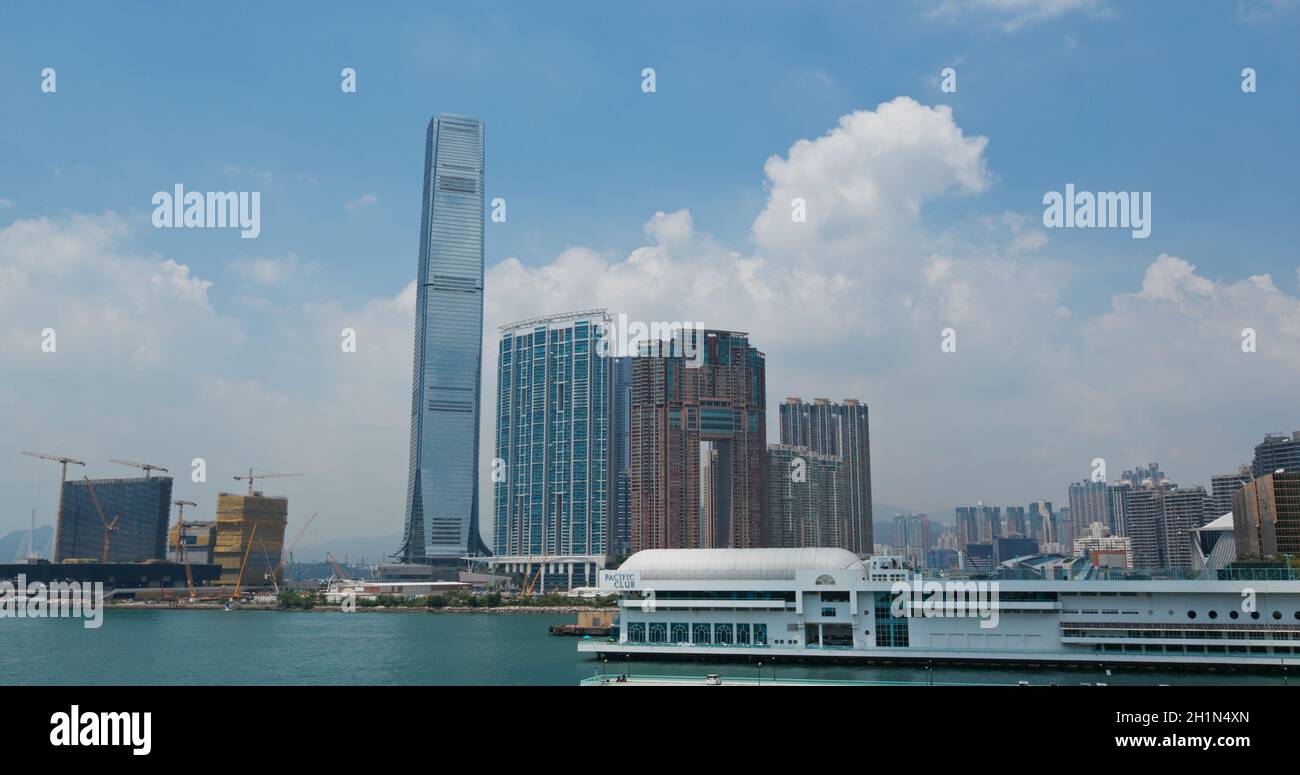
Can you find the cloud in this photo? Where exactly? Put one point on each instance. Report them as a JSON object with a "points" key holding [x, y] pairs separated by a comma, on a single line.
{"points": [[262, 176], [361, 202], [849, 304], [266, 271], [1263, 11], [5, 204], [1014, 15]]}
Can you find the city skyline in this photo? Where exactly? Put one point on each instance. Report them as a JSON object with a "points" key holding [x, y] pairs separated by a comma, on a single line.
{"points": [[177, 344]]}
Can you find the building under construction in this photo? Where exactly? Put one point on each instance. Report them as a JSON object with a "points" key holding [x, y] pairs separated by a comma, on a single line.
{"points": [[198, 541], [249, 529], [113, 520]]}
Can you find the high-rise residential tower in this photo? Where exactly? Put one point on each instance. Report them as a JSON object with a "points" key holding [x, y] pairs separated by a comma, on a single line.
{"points": [[1088, 504], [442, 509], [682, 412], [1224, 486], [807, 498], [552, 515], [841, 430], [1277, 450]]}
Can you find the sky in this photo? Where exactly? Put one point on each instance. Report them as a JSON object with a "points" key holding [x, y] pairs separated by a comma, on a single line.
{"points": [[924, 213]]}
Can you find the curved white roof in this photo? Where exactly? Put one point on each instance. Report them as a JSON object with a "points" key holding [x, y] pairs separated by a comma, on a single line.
{"points": [[1222, 523], [756, 564]]}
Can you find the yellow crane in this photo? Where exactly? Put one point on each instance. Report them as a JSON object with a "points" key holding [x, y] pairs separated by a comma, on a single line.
{"points": [[63, 477], [180, 542], [239, 581], [109, 527], [252, 476], [147, 467]]}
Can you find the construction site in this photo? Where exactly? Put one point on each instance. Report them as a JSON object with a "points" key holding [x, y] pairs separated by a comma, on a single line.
{"points": [[119, 532]]}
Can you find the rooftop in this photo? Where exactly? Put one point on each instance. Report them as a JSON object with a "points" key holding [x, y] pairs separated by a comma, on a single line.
{"points": [[750, 564]]}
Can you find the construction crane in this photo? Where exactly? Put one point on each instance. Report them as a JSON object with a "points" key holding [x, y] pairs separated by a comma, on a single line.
{"points": [[287, 558], [109, 527], [63, 477], [251, 476], [180, 542], [338, 569], [239, 581], [148, 467]]}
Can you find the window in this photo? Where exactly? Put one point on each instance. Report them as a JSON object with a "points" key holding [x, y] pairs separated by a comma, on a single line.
{"points": [[658, 632], [636, 632], [681, 632], [760, 634], [890, 631], [742, 634], [828, 611], [703, 634], [723, 634], [835, 597]]}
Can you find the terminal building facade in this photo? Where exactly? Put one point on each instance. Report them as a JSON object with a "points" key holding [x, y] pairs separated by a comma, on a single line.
{"points": [[828, 603]]}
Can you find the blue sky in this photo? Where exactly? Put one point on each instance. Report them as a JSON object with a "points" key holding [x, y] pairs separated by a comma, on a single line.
{"points": [[1107, 95], [149, 96]]}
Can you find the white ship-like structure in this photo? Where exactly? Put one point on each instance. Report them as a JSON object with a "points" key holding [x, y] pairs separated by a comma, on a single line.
{"points": [[829, 604]]}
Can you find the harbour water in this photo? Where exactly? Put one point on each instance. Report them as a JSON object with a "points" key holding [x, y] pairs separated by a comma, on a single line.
{"points": [[293, 647]]}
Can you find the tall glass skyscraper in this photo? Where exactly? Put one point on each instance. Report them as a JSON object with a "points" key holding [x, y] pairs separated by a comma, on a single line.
{"points": [[552, 513], [442, 520]]}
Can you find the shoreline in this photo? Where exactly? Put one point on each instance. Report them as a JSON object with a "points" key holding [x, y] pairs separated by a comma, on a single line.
{"points": [[512, 609]]}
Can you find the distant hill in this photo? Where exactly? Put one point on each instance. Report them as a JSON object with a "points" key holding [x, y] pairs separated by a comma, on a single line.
{"points": [[13, 546], [372, 549]]}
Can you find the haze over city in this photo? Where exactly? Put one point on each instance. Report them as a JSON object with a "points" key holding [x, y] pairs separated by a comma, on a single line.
{"points": [[924, 213]]}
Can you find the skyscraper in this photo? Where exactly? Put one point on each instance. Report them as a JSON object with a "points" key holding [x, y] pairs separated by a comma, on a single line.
{"points": [[840, 430], [680, 413], [1088, 504], [807, 498], [1224, 486], [1161, 519], [442, 509], [1277, 451], [552, 491]]}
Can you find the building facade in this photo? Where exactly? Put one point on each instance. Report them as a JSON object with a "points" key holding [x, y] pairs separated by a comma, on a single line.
{"points": [[811, 604], [1224, 486], [196, 542], [681, 412], [136, 510], [250, 538], [1160, 520], [1266, 516], [1088, 504], [807, 498], [552, 504], [841, 430], [442, 508], [1277, 451]]}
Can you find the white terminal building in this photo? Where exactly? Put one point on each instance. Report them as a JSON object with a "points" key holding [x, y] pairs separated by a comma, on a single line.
{"points": [[827, 603]]}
